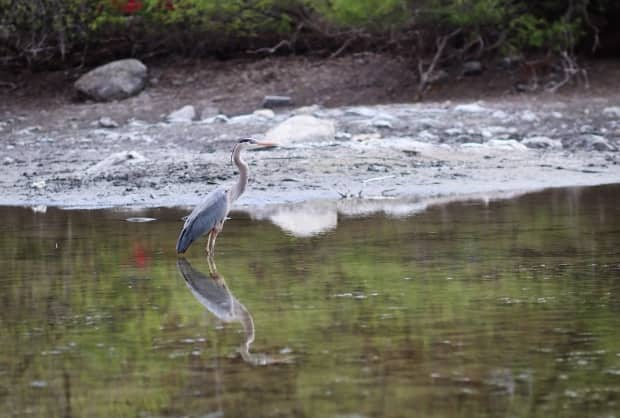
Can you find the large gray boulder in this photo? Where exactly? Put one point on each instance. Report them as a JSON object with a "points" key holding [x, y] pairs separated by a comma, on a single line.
{"points": [[116, 80]]}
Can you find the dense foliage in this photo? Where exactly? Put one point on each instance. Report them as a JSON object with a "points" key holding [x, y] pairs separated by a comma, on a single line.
{"points": [[71, 31]]}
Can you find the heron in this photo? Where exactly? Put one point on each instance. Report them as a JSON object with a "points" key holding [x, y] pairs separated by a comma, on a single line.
{"points": [[209, 216]]}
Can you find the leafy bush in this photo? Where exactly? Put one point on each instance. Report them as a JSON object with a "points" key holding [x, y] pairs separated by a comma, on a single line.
{"points": [[51, 31]]}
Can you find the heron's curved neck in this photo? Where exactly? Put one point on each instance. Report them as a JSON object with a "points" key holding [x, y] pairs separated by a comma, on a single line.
{"points": [[242, 183]]}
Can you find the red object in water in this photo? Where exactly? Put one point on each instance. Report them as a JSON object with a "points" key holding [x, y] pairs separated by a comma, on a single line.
{"points": [[132, 6], [141, 258]]}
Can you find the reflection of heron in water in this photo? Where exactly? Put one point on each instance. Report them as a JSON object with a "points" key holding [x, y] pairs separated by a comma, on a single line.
{"points": [[211, 291]]}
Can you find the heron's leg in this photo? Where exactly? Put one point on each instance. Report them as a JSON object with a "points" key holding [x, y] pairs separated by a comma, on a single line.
{"points": [[208, 245], [215, 234]]}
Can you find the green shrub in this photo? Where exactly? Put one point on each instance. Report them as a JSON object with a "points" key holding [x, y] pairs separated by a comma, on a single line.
{"points": [[48, 31]]}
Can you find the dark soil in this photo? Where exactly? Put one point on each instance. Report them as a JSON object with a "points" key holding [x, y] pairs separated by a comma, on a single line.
{"points": [[238, 86]]}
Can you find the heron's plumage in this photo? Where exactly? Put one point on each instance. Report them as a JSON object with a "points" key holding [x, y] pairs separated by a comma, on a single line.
{"points": [[211, 214], [204, 218]]}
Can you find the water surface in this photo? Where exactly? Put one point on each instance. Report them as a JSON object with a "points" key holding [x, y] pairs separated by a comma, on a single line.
{"points": [[506, 308]]}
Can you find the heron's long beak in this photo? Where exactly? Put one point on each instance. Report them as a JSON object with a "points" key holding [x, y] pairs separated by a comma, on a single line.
{"points": [[265, 144]]}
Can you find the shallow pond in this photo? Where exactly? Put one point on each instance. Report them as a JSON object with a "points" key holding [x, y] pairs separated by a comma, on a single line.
{"points": [[501, 308]]}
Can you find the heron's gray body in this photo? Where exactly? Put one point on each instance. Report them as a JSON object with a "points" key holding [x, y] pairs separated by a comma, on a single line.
{"points": [[207, 216]]}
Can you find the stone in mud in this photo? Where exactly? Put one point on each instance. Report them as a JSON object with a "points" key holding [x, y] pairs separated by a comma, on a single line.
{"points": [[300, 129], [506, 144], [381, 123], [595, 142], [542, 142], [114, 164], [613, 111], [116, 80], [277, 101], [264, 113], [106, 122], [186, 114], [529, 116], [259, 116], [470, 108], [472, 68]]}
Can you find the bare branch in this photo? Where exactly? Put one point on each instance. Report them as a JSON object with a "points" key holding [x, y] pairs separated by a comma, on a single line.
{"points": [[271, 50], [426, 74], [571, 70]]}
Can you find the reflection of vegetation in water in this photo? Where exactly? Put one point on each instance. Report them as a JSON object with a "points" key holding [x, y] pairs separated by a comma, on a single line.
{"points": [[469, 309]]}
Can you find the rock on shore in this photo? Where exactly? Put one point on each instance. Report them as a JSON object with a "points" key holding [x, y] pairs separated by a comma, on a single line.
{"points": [[116, 80]]}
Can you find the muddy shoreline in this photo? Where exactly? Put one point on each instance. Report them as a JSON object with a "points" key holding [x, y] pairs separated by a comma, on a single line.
{"points": [[62, 153]]}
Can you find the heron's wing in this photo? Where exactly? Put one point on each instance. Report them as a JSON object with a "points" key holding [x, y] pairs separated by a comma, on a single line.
{"points": [[212, 294], [203, 218]]}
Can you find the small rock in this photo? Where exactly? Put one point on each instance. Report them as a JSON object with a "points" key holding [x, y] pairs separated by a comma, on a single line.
{"points": [[472, 68], [8, 160], [368, 112], [106, 122], [257, 117], [497, 131], [116, 80], [613, 111], [112, 163], [506, 144], [186, 114], [264, 113], [246, 119], [500, 114], [38, 185], [542, 142], [277, 101], [302, 128], [595, 142], [427, 136], [529, 116], [381, 123], [453, 131], [470, 108], [510, 62], [217, 119]]}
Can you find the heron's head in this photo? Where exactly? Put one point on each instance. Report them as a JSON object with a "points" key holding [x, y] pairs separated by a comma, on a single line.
{"points": [[245, 142]]}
